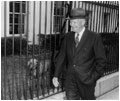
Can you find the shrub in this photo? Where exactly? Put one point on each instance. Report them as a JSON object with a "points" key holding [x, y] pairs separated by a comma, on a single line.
{"points": [[51, 41], [9, 46]]}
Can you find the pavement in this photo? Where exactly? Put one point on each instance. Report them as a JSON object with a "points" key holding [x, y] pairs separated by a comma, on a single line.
{"points": [[111, 95]]}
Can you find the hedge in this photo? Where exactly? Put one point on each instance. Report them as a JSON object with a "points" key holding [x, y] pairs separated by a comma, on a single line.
{"points": [[17, 46]]}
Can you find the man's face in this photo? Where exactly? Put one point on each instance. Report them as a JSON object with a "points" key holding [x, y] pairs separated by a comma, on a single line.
{"points": [[77, 24]]}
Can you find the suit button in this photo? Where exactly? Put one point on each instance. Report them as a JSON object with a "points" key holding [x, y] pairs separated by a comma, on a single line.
{"points": [[74, 65]]}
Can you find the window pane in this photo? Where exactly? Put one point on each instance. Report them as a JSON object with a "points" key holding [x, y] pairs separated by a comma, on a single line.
{"points": [[23, 29], [62, 11], [55, 11], [23, 18], [11, 18], [16, 29], [11, 29], [58, 11], [20, 29], [23, 7], [17, 18], [11, 6], [17, 7]]}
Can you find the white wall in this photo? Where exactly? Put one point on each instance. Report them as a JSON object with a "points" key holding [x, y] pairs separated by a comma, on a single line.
{"points": [[42, 21], [46, 25]]}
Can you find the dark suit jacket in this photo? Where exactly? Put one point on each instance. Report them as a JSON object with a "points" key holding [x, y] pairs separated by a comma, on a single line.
{"points": [[87, 60]]}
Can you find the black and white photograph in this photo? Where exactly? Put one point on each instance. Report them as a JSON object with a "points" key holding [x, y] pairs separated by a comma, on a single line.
{"points": [[59, 50]]}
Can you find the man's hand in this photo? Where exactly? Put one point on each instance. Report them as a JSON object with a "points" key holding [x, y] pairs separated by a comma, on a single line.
{"points": [[55, 81]]}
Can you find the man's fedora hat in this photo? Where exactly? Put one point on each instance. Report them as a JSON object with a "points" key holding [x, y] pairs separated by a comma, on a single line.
{"points": [[78, 13]]}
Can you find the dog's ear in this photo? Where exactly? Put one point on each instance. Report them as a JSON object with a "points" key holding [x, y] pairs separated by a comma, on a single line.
{"points": [[28, 63], [32, 63]]}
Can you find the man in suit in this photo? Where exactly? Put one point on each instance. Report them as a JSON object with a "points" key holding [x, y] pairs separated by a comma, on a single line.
{"points": [[84, 54]]}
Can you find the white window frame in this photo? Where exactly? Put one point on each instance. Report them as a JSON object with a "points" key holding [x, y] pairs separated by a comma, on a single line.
{"points": [[8, 21]]}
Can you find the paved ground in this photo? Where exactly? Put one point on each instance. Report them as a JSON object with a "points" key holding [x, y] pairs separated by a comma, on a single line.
{"points": [[112, 95]]}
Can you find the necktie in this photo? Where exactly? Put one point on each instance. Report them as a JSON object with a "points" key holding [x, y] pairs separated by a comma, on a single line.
{"points": [[77, 40]]}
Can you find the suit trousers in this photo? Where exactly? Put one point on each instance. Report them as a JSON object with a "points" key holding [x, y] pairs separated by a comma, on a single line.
{"points": [[76, 90]]}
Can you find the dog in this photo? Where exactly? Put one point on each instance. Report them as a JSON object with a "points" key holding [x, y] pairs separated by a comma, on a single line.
{"points": [[38, 72], [33, 65]]}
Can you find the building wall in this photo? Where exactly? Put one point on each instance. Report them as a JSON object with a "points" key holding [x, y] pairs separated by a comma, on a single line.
{"points": [[40, 15]]}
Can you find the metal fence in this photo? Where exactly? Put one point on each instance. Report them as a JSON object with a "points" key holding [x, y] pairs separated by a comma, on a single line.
{"points": [[27, 69]]}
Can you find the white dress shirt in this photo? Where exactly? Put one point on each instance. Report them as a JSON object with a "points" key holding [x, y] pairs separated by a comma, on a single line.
{"points": [[80, 33]]}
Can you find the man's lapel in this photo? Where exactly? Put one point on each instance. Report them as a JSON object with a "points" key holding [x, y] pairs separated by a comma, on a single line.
{"points": [[72, 42], [82, 41]]}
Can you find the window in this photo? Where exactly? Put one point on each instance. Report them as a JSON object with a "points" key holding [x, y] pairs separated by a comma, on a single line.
{"points": [[106, 18], [59, 14], [17, 14]]}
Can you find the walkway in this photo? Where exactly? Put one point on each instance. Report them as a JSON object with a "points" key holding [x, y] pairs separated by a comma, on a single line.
{"points": [[112, 95]]}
